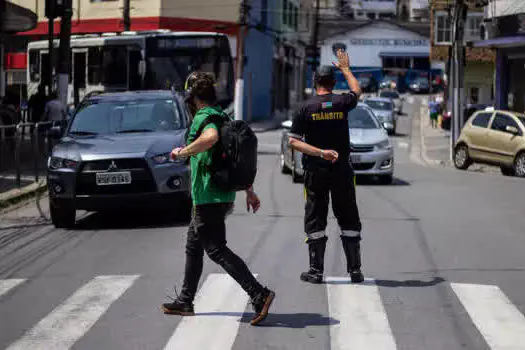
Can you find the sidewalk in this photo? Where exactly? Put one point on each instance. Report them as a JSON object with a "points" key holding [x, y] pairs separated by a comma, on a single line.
{"points": [[432, 145]]}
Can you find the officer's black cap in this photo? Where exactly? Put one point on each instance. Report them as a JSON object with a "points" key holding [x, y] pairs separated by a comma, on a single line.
{"points": [[325, 73]]}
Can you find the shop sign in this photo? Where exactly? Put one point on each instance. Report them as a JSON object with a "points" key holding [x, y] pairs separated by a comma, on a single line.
{"points": [[390, 42]]}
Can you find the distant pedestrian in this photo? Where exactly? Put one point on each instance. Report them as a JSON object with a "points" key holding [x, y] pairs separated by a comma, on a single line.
{"points": [[55, 110], [320, 132], [434, 110], [211, 205], [37, 105]]}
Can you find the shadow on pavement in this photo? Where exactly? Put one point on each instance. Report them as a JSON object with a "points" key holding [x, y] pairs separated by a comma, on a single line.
{"points": [[400, 135], [120, 220], [409, 283], [371, 180], [298, 320]]}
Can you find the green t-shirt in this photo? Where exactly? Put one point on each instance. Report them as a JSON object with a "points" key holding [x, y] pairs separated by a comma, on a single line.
{"points": [[203, 190]]}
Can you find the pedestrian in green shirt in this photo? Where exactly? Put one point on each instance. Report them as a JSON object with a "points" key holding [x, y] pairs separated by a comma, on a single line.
{"points": [[211, 205]]}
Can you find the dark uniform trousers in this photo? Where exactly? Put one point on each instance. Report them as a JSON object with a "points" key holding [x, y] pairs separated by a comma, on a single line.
{"points": [[338, 183]]}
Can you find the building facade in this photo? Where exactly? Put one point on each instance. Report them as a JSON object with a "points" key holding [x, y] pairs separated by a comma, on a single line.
{"points": [[479, 62], [274, 44], [504, 32]]}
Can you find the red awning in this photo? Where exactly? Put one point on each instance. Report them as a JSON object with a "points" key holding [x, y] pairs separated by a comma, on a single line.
{"points": [[16, 60]]}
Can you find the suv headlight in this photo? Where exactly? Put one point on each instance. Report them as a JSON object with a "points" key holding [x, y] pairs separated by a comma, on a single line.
{"points": [[55, 163], [383, 145], [165, 158]]}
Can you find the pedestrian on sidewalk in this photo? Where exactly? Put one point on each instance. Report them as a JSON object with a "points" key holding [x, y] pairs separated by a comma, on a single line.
{"points": [[433, 110], [320, 132], [211, 205]]}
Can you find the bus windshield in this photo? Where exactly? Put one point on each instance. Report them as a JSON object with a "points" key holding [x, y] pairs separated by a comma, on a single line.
{"points": [[171, 59]]}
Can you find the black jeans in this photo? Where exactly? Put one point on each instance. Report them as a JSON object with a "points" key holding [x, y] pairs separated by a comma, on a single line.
{"points": [[319, 185], [207, 233]]}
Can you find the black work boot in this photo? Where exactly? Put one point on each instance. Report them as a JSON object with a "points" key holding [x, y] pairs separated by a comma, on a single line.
{"points": [[316, 249], [352, 249], [261, 305]]}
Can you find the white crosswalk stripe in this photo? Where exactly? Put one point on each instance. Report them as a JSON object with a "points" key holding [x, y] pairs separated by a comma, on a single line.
{"points": [[361, 315], [358, 311], [218, 306], [73, 318], [7, 285], [498, 320]]}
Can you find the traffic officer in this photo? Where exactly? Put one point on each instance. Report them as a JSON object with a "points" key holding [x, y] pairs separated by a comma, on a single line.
{"points": [[320, 133]]}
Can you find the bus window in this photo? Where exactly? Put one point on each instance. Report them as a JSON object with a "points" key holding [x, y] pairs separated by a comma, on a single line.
{"points": [[94, 67], [79, 65], [115, 66], [44, 68], [34, 66]]}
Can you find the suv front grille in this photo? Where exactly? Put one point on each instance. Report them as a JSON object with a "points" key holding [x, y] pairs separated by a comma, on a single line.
{"points": [[362, 166], [141, 178], [361, 148]]}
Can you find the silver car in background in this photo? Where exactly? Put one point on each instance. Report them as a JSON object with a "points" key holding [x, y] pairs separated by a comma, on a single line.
{"points": [[395, 97], [115, 153], [383, 109], [371, 152]]}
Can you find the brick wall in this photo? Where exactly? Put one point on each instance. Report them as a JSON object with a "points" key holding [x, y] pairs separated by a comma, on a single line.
{"points": [[440, 52]]}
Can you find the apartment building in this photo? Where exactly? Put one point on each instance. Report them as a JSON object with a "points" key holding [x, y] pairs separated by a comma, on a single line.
{"points": [[479, 62], [274, 49], [503, 31]]}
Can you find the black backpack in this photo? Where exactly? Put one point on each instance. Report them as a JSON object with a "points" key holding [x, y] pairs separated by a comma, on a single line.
{"points": [[234, 161]]}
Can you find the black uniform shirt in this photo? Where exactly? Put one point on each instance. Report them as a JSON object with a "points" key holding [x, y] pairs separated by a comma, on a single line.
{"points": [[323, 122]]}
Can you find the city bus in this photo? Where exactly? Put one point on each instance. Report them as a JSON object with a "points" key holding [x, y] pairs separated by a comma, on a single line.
{"points": [[148, 60]]}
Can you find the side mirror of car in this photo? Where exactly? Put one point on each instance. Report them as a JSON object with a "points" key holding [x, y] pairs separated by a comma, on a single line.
{"points": [[512, 129], [55, 132], [287, 124]]}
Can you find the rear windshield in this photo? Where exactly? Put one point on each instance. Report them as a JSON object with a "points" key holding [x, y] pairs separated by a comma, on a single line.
{"points": [[389, 94], [112, 117], [380, 105]]}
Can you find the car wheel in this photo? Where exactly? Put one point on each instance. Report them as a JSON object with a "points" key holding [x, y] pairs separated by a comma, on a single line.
{"points": [[519, 165], [507, 171], [461, 158], [284, 168], [63, 213], [386, 179]]}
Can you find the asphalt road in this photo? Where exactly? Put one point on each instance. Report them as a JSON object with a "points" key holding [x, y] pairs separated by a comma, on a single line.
{"points": [[443, 252]]}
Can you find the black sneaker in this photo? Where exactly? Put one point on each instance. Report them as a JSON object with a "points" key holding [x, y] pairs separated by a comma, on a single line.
{"points": [[357, 276], [178, 307], [312, 277], [261, 304]]}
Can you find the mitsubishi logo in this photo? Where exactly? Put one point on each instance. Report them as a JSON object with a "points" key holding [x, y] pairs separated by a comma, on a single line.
{"points": [[112, 166]]}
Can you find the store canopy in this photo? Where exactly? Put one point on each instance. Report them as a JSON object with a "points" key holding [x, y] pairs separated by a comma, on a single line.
{"points": [[512, 41], [403, 54], [17, 19]]}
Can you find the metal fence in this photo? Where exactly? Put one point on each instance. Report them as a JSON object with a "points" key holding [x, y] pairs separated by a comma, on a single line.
{"points": [[24, 149]]}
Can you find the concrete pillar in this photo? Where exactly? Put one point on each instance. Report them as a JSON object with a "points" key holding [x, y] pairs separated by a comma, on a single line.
{"points": [[502, 82]]}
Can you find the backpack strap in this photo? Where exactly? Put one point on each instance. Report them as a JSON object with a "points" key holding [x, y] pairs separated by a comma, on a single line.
{"points": [[214, 118]]}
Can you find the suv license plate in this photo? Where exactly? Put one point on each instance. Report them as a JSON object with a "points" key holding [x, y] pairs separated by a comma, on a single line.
{"points": [[355, 158], [117, 178]]}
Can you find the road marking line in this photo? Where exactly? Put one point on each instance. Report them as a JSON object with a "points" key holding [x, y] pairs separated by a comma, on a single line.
{"points": [[7, 285], [497, 319], [67, 323], [363, 323], [402, 144], [218, 306]]}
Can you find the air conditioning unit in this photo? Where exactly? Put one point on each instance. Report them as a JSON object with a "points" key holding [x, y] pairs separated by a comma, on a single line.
{"points": [[488, 30]]}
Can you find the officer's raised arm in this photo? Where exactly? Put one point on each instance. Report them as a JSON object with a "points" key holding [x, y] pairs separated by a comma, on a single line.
{"points": [[343, 64]]}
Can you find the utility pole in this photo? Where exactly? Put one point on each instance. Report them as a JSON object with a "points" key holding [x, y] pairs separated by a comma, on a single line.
{"points": [[239, 83], [126, 15], [2, 75], [457, 62], [64, 60], [314, 63], [52, 10]]}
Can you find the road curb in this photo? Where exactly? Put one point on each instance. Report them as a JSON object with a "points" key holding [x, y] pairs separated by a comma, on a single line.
{"points": [[15, 196]]}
